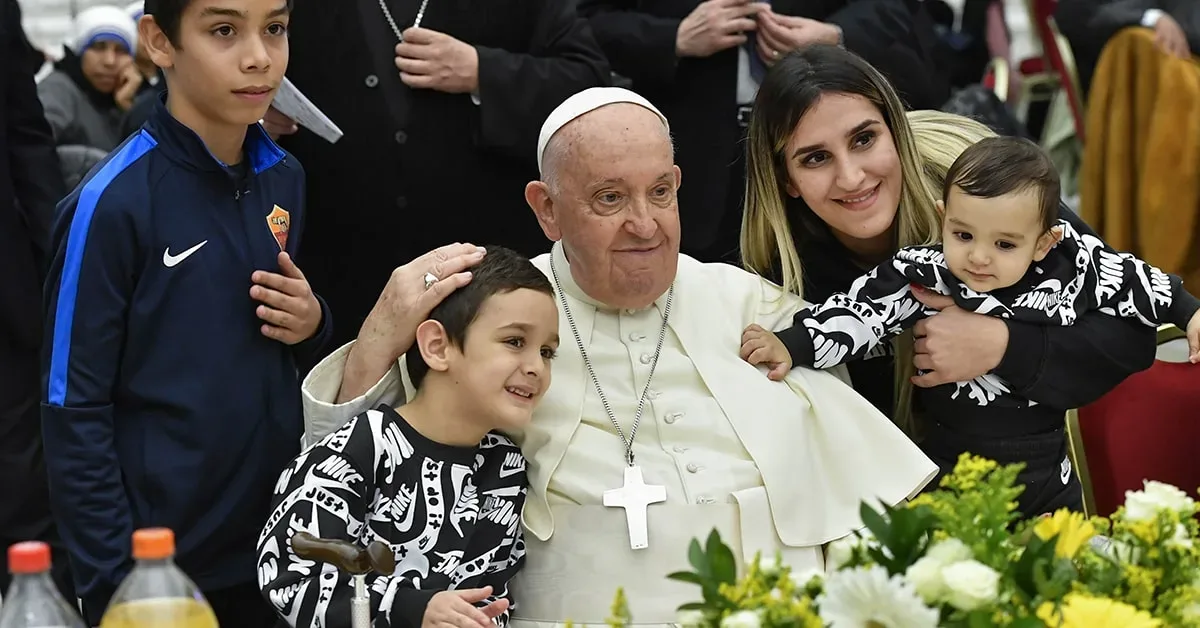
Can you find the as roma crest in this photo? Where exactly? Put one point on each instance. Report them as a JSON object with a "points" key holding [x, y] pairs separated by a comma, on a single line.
{"points": [[279, 220]]}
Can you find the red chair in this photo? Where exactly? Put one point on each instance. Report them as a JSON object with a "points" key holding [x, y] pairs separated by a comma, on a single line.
{"points": [[1147, 428]]}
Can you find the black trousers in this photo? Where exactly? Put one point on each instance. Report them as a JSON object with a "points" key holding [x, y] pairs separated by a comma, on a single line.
{"points": [[1049, 480], [24, 494]]}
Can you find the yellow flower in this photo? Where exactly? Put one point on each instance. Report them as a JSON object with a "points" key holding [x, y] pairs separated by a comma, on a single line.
{"points": [[968, 472], [1082, 611], [1072, 528], [1049, 614]]}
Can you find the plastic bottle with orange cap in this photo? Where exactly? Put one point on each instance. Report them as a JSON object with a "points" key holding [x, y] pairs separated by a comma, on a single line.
{"points": [[32, 600], [157, 592]]}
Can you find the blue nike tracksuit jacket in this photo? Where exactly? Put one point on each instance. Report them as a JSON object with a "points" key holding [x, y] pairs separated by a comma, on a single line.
{"points": [[164, 404]]}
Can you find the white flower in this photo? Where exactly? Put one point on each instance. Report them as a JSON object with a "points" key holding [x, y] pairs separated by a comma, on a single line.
{"points": [[741, 619], [1181, 538], [801, 580], [971, 584], [1145, 504], [865, 596], [839, 552], [949, 551], [925, 576], [690, 619], [769, 569]]}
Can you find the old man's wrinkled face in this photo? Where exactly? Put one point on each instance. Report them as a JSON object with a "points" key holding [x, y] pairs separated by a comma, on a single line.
{"points": [[612, 202]]}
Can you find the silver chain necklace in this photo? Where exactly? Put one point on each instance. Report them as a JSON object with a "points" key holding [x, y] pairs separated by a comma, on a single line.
{"points": [[392, 22], [662, 334]]}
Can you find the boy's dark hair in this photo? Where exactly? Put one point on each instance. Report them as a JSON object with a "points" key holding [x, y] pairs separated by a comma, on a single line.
{"points": [[168, 14], [1001, 165], [501, 271]]}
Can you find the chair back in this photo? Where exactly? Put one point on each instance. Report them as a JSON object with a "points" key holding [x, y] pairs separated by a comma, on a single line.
{"points": [[1147, 428]]}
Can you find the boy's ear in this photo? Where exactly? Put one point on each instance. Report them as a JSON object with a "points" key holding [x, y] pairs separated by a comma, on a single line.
{"points": [[434, 343], [158, 47], [1053, 236], [941, 207]]}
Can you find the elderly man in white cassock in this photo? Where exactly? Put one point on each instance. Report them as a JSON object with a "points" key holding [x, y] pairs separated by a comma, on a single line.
{"points": [[654, 431]]}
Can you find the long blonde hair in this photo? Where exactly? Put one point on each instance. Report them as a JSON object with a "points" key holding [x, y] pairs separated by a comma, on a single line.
{"points": [[927, 143]]}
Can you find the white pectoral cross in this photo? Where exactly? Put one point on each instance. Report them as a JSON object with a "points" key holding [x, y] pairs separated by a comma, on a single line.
{"points": [[635, 496]]}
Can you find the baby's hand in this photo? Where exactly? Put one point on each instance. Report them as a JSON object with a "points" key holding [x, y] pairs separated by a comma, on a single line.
{"points": [[1193, 336], [760, 346]]}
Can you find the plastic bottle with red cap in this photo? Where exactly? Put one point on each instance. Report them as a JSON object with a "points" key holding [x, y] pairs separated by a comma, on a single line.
{"points": [[157, 593], [32, 600]]}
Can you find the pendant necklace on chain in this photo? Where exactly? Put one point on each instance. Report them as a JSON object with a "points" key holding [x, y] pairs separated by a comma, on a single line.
{"points": [[387, 14], [634, 495]]}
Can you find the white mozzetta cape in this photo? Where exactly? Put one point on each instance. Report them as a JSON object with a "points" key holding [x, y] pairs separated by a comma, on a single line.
{"points": [[820, 447]]}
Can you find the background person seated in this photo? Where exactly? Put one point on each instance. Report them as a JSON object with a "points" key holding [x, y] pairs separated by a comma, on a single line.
{"points": [[95, 81]]}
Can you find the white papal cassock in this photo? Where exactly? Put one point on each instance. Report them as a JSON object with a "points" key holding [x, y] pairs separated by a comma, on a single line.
{"points": [[774, 466]]}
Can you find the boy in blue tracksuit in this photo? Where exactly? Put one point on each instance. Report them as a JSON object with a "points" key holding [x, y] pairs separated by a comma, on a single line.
{"points": [[176, 317]]}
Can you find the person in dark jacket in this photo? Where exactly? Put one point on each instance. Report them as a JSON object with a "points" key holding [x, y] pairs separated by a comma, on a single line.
{"points": [[701, 63], [30, 185], [177, 315], [440, 131]]}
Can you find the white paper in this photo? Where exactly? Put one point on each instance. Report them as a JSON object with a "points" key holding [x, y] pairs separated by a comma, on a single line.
{"points": [[292, 103]]}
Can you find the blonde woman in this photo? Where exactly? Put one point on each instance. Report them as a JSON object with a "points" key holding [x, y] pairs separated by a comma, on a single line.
{"points": [[839, 178]]}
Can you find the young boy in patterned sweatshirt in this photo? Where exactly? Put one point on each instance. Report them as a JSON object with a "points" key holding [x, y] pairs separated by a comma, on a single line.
{"points": [[433, 479], [1004, 253]]}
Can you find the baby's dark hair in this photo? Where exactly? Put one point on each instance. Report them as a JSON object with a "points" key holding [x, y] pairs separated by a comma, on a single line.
{"points": [[1001, 165], [169, 13], [501, 271]]}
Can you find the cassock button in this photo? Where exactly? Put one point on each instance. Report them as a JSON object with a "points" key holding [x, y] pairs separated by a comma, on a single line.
{"points": [[631, 311], [401, 202], [401, 137], [705, 499], [672, 418], [646, 358], [679, 449], [636, 337], [371, 80], [693, 467]]}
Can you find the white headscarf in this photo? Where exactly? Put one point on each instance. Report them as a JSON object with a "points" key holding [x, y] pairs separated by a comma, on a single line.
{"points": [[103, 23]]}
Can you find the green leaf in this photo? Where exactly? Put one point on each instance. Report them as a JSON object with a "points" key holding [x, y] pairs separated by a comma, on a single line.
{"points": [[693, 606], [876, 524], [1027, 622], [724, 566], [1030, 571], [686, 576], [697, 558]]}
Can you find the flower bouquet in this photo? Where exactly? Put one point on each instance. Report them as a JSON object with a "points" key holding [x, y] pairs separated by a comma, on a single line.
{"points": [[958, 557]]}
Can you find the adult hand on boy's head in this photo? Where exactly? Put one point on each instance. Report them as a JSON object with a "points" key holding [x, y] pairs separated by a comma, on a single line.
{"points": [[456, 609], [406, 302], [289, 307]]}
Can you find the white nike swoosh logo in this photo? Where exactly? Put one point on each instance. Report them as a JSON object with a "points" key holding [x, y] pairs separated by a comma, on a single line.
{"points": [[172, 260]]}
